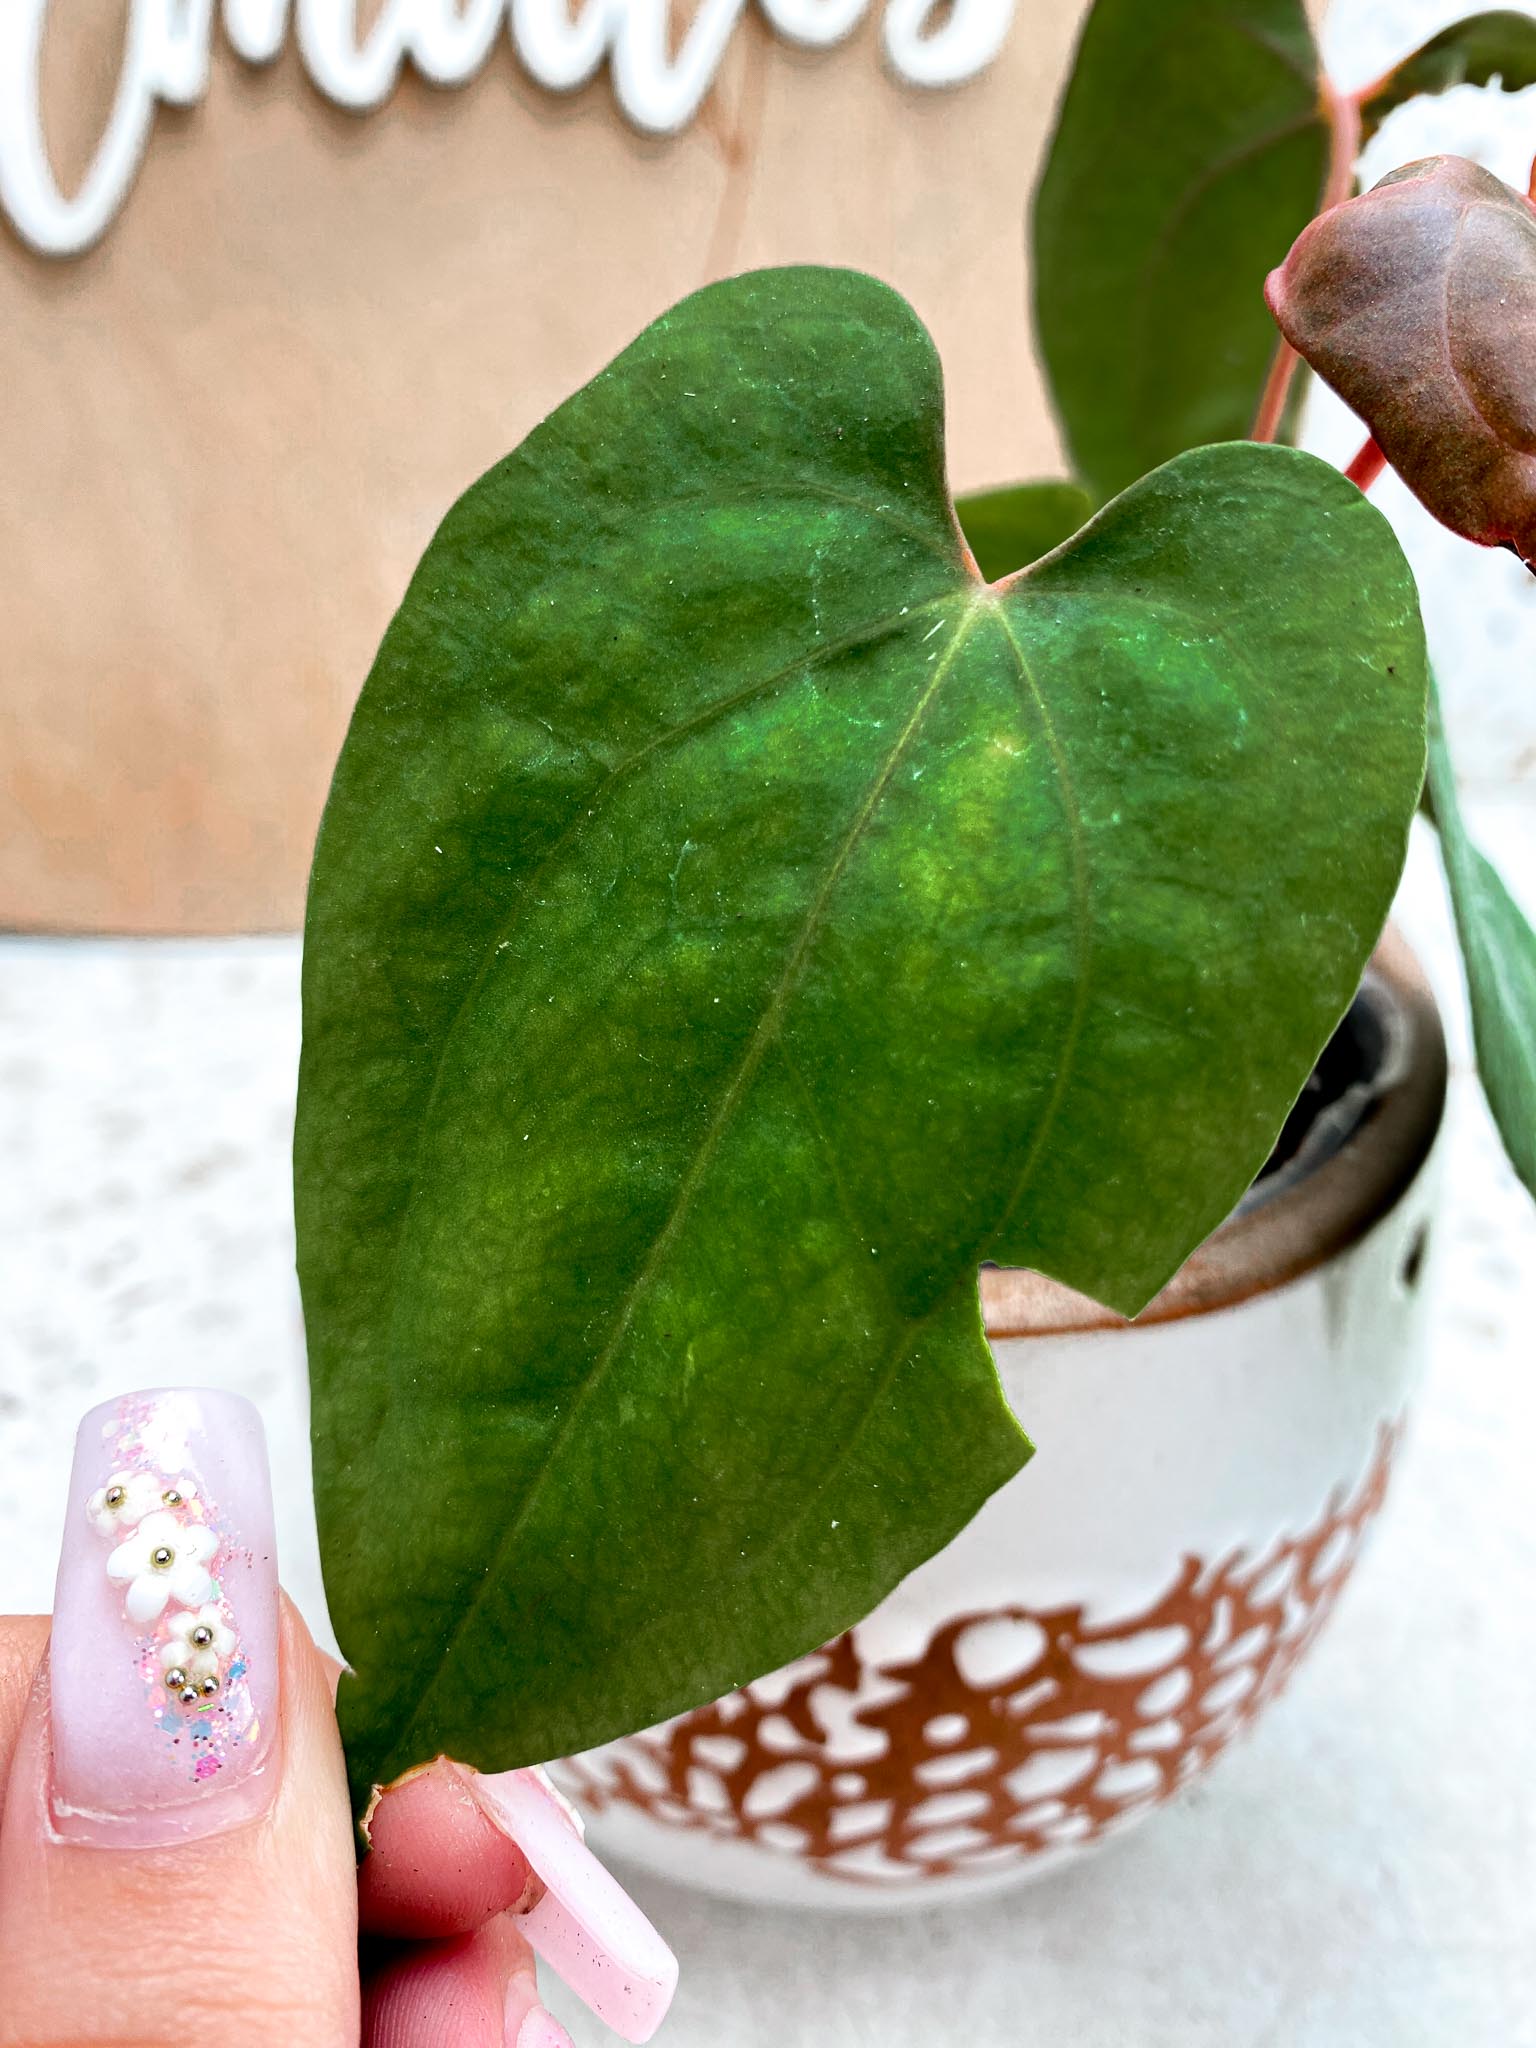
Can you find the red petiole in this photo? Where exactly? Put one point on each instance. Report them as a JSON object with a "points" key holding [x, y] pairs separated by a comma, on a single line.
{"points": [[1343, 112], [1367, 465]]}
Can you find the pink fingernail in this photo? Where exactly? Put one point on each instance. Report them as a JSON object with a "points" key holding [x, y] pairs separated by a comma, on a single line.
{"points": [[585, 1926], [163, 1662], [540, 2029]]}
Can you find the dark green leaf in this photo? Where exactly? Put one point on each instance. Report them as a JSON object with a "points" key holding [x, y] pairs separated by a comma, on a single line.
{"points": [[1189, 153], [731, 924], [1499, 949], [1476, 51], [1008, 528]]}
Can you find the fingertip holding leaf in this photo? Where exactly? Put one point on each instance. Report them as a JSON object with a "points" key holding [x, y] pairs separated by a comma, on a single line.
{"points": [[732, 924], [1416, 302]]}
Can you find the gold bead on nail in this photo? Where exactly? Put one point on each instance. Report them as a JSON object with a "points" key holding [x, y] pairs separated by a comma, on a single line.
{"points": [[188, 1695], [172, 1498], [162, 1557], [175, 1678], [116, 1495], [202, 1635], [210, 1686]]}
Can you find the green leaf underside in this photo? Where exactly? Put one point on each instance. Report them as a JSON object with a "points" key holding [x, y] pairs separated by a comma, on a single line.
{"points": [[1189, 153], [1484, 47], [1007, 529], [1499, 948], [731, 924]]}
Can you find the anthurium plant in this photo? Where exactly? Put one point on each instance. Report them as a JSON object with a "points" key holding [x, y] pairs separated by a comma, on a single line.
{"points": [[753, 895]]}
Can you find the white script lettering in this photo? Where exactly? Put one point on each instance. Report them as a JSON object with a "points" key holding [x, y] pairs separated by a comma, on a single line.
{"points": [[560, 43]]}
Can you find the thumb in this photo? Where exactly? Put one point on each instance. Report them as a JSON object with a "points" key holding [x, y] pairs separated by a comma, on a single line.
{"points": [[175, 1850]]}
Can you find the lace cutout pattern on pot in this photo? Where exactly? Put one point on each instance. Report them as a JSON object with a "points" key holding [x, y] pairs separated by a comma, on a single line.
{"points": [[168, 1547], [1013, 1736]]}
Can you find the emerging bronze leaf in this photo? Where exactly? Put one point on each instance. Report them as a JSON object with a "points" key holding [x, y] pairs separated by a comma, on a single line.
{"points": [[1417, 303]]}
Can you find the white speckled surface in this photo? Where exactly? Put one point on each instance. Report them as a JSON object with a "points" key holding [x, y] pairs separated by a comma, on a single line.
{"points": [[1362, 1872], [1361, 1875]]}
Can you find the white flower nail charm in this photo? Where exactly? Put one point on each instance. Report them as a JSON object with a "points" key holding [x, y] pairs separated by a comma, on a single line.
{"points": [[163, 1560], [123, 1502], [163, 1666], [128, 1497], [197, 1643]]}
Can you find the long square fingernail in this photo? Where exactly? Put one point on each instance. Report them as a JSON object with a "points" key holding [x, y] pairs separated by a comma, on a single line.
{"points": [[584, 1924], [163, 1663]]}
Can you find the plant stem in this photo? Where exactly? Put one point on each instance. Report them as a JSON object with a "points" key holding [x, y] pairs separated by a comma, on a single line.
{"points": [[1342, 113], [1367, 465], [1341, 110], [1277, 389]]}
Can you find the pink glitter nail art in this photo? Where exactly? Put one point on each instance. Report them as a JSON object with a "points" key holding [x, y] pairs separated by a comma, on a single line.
{"points": [[163, 1672], [211, 1711]]}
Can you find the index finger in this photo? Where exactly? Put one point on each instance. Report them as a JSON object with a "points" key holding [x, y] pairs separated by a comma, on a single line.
{"points": [[453, 1848]]}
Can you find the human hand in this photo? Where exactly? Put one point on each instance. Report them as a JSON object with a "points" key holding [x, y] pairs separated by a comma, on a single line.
{"points": [[177, 1859]]}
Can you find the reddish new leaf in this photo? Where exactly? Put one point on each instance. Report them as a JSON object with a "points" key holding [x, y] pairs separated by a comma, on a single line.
{"points": [[1417, 303]]}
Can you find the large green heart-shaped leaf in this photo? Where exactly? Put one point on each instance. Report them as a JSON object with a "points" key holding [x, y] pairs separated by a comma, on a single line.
{"points": [[1499, 948], [731, 924], [1484, 49], [1190, 151]]}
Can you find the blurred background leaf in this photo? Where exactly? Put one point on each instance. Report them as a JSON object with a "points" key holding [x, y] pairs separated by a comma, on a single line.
{"points": [[1484, 49], [1499, 948], [1190, 151], [1021, 522]]}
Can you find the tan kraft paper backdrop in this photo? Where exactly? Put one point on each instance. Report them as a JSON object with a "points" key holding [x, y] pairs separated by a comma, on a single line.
{"points": [[227, 432]]}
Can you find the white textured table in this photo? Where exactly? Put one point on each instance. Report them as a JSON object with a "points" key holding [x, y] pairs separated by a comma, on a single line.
{"points": [[1362, 1874]]}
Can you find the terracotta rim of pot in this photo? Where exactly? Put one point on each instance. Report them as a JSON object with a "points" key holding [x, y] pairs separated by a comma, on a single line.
{"points": [[1315, 1213]]}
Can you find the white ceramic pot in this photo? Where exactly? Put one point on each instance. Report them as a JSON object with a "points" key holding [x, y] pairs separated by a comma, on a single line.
{"points": [[1128, 1604]]}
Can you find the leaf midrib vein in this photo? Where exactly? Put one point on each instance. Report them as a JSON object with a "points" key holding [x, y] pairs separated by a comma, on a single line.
{"points": [[1210, 176], [1082, 907], [721, 707], [751, 1060], [1082, 897]]}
